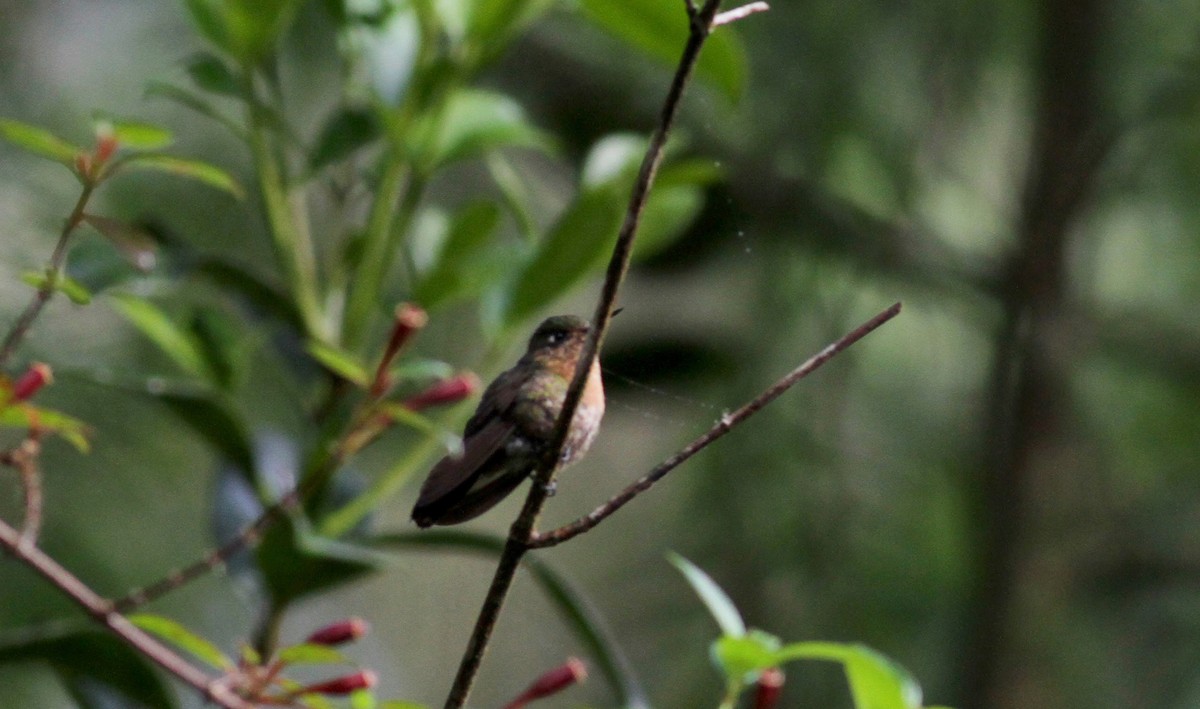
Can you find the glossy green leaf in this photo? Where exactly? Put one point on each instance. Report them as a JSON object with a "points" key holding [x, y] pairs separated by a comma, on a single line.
{"points": [[875, 681], [660, 29], [137, 135], [742, 657], [346, 131], [718, 603], [210, 175], [575, 247], [472, 123], [94, 657], [39, 141], [173, 340], [581, 616], [342, 363], [211, 73], [176, 634], [73, 289], [311, 654], [69, 428], [134, 242]]}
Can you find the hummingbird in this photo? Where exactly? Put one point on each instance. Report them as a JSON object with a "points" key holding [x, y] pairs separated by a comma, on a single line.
{"points": [[507, 434]]}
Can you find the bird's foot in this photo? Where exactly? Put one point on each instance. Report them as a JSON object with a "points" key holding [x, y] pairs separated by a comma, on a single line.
{"points": [[551, 488]]}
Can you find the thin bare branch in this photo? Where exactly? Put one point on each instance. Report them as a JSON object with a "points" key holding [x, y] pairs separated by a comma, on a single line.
{"points": [[739, 13], [700, 23], [212, 688], [24, 458], [53, 270], [723, 426]]}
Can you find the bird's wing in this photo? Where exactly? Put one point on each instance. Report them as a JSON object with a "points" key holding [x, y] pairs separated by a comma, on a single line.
{"points": [[452, 473]]}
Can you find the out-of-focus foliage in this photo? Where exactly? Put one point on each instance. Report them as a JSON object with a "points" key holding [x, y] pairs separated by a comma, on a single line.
{"points": [[997, 490]]}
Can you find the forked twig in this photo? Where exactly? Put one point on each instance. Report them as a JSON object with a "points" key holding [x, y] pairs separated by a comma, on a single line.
{"points": [[700, 23]]}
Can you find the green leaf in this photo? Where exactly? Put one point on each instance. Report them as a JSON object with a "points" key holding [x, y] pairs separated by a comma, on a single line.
{"points": [[296, 562], [263, 297], [172, 340], [194, 102], [135, 134], [574, 248], [179, 636], [581, 616], [311, 654], [212, 418], [346, 131], [402, 415], [210, 175], [718, 603], [210, 18], [135, 243], [472, 123], [660, 29], [743, 657], [25, 416], [493, 23], [73, 289], [342, 363], [211, 73], [247, 29], [461, 270], [39, 141], [95, 658], [875, 681], [221, 345]]}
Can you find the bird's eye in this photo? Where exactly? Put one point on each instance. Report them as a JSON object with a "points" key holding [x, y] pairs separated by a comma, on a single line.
{"points": [[554, 338]]}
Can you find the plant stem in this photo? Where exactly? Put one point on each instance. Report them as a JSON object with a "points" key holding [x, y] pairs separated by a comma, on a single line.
{"points": [[287, 223], [54, 270]]}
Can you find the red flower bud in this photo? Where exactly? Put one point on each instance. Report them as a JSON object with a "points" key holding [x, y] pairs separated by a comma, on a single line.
{"points": [[34, 378], [106, 145], [363, 679], [341, 632], [83, 165], [770, 686], [573, 671], [447, 391], [407, 320]]}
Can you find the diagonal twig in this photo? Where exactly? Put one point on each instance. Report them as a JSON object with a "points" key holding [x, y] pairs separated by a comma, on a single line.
{"points": [[700, 26], [213, 689], [723, 426]]}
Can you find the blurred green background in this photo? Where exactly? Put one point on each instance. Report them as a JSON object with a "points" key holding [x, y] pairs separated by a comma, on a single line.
{"points": [[998, 489]]}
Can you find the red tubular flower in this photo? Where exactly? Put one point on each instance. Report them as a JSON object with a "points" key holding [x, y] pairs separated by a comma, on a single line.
{"points": [[573, 671], [447, 391], [34, 378], [770, 686], [339, 633], [408, 319], [363, 679]]}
